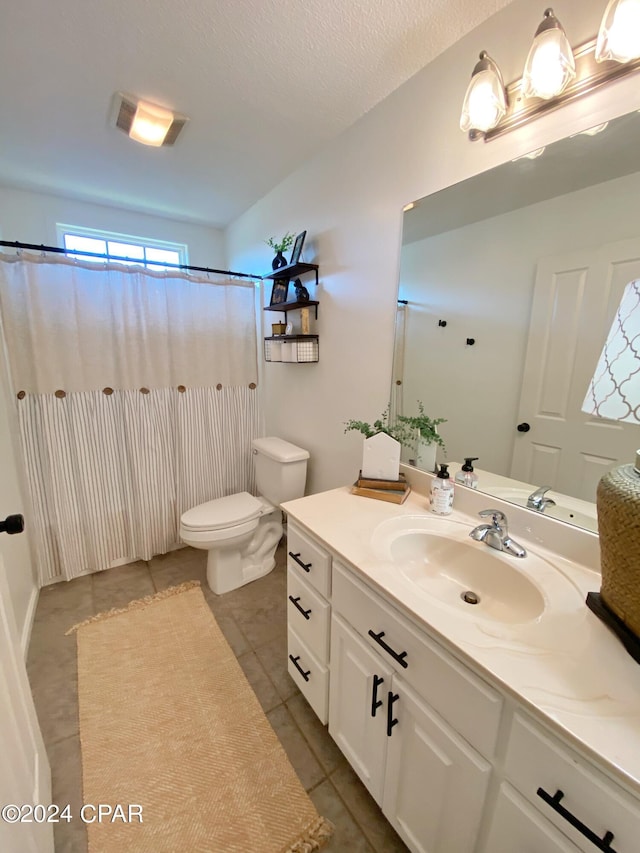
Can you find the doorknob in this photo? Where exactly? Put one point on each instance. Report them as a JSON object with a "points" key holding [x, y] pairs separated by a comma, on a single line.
{"points": [[12, 524], [523, 427]]}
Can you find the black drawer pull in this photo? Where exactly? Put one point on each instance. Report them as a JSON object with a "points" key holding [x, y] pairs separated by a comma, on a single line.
{"points": [[294, 661], [391, 721], [375, 702], [296, 557], [397, 656], [603, 844], [295, 602]]}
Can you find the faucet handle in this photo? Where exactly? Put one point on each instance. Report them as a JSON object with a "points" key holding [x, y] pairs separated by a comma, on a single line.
{"points": [[497, 516]]}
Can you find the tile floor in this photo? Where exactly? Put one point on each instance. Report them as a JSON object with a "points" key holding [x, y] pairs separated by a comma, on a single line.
{"points": [[253, 620]]}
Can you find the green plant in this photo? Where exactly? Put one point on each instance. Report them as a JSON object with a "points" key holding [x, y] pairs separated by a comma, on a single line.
{"points": [[406, 428], [420, 425], [282, 245]]}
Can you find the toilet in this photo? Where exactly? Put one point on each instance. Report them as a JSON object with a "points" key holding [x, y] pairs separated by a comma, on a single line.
{"points": [[241, 532]]}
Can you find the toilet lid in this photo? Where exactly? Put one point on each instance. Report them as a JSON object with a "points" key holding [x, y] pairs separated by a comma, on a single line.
{"points": [[223, 512]]}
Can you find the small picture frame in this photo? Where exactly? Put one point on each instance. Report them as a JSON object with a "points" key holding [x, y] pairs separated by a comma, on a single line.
{"points": [[279, 291], [297, 248]]}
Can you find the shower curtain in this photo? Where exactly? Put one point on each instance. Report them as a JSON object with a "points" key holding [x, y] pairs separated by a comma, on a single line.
{"points": [[136, 399]]}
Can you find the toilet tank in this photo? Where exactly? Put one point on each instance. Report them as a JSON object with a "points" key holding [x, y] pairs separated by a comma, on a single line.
{"points": [[281, 469]]}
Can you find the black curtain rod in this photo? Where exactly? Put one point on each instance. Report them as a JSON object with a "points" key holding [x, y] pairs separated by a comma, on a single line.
{"points": [[34, 247]]}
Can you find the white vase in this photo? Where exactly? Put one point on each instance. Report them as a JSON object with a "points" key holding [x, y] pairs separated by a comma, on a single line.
{"points": [[426, 455]]}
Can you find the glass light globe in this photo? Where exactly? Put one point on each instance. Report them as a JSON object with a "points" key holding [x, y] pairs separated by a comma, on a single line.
{"points": [[619, 35], [550, 65], [485, 101]]}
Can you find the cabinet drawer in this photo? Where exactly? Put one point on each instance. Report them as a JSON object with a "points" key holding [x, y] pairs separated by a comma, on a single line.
{"points": [[537, 762], [309, 615], [308, 673], [309, 559], [469, 705], [517, 826]]}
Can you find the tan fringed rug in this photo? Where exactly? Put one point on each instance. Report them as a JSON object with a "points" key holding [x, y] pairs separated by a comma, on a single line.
{"points": [[169, 722]]}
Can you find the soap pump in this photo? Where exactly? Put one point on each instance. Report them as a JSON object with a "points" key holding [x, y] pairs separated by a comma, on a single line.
{"points": [[466, 476], [442, 489]]}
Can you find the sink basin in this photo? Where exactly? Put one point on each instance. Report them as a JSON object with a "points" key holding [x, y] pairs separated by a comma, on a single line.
{"points": [[439, 560], [567, 509]]}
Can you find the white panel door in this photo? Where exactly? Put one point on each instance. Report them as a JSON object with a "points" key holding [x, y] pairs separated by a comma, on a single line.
{"points": [[435, 783], [575, 299], [358, 705], [25, 778]]}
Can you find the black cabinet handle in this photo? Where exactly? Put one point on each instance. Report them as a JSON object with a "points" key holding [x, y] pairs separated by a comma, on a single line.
{"points": [[295, 602], [294, 661], [397, 656], [603, 844], [12, 524], [523, 427], [296, 557], [375, 702], [391, 721]]}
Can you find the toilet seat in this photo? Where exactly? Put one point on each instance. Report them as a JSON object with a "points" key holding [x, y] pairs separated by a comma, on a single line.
{"points": [[238, 510]]}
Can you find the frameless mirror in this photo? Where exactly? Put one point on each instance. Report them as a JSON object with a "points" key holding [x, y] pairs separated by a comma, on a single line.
{"points": [[511, 281]]}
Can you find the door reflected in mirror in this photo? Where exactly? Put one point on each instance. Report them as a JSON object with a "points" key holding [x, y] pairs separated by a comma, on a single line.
{"points": [[529, 261]]}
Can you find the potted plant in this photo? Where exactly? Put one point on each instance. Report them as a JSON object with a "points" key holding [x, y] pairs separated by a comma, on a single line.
{"points": [[280, 246], [420, 433]]}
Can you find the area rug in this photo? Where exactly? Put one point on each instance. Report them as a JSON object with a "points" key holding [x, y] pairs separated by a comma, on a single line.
{"points": [[169, 724]]}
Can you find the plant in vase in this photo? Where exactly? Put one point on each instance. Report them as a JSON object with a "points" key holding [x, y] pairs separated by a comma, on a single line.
{"points": [[420, 433], [280, 246]]}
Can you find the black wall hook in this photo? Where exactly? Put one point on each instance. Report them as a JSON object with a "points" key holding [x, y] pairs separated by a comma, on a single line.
{"points": [[442, 323], [470, 342]]}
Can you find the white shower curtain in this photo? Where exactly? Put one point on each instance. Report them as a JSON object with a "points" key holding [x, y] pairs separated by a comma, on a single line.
{"points": [[136, 399]]}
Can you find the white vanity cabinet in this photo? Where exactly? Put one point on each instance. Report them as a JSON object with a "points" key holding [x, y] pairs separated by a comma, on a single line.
{"points": [[457, 764], [308, 619]]}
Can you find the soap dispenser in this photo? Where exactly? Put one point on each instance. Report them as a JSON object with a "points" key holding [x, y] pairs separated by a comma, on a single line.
{"points": [[442, 489], [466, 476]]}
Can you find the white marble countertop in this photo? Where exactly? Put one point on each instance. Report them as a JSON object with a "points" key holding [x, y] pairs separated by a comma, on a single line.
{"points": [[564, 665]]}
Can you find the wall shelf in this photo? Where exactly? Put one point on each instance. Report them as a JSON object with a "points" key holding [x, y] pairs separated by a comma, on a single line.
{"points": [[292, 349], [291, 306], [293, 270]]}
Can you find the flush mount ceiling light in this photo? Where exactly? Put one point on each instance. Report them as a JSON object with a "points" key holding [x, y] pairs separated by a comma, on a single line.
{"points": [[147, 123], [485, 101], [550, 65], [554, 73]]}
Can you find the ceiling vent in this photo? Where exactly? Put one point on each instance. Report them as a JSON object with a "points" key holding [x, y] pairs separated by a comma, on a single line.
{"points": [[147, 123]]}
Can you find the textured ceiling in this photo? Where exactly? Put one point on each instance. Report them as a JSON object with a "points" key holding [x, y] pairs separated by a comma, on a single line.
{"points": [[266, 83]]}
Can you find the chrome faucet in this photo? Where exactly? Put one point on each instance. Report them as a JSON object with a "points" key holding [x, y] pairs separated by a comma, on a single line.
{"points": [[538, 501], [496, 534]]}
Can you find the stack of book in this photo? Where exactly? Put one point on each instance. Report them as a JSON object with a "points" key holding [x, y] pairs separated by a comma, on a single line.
{"points": [[394, 491]]}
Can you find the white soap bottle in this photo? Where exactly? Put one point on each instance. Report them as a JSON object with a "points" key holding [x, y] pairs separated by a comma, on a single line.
{"points": [[442, 490], [466, 476]]}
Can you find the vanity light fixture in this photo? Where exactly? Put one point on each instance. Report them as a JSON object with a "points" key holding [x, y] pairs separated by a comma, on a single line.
{"points": [[554, 74], [485, 101], [550, 65], [614, 393], [147, 123]]}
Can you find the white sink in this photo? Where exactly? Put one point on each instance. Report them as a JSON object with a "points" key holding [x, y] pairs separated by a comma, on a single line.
{"points": [[439, 559]]}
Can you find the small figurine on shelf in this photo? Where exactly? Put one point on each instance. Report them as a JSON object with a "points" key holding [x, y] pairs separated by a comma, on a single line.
{"points": [[302, 294]]}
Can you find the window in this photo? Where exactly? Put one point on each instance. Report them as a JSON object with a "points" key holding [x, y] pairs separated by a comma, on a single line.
{"points": [[120, 248]]}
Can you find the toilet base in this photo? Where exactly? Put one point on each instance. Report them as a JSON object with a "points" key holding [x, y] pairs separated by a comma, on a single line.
{"points": [[232, 566]]}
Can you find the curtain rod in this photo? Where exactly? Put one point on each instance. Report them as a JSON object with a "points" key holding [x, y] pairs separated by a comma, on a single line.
{"points": [[40, 248]]}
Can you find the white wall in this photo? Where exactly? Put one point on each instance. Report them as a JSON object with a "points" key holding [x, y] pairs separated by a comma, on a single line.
{"points": [[480, 280], [31, 217], [350, 199]]}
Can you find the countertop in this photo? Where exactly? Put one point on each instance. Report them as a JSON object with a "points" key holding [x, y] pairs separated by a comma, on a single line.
{"points": [[564, 665]]}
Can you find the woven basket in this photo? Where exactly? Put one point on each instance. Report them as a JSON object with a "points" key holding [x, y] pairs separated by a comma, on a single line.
{"points": [[618, 502]]}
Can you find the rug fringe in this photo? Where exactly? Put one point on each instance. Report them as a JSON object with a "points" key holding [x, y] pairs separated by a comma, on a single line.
{"points": [[314, 838], [138, 604]]}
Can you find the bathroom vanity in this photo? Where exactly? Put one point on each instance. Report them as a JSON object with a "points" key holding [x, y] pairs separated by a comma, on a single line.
{"points": [[507, 726]]}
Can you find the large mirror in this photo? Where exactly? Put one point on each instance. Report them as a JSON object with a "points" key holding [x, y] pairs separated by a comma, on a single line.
{"points": [[509, 282]]}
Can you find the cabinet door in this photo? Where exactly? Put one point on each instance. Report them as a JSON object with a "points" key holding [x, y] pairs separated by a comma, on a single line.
{"points": [[435, 783], [517, 826], [358, 690]]}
